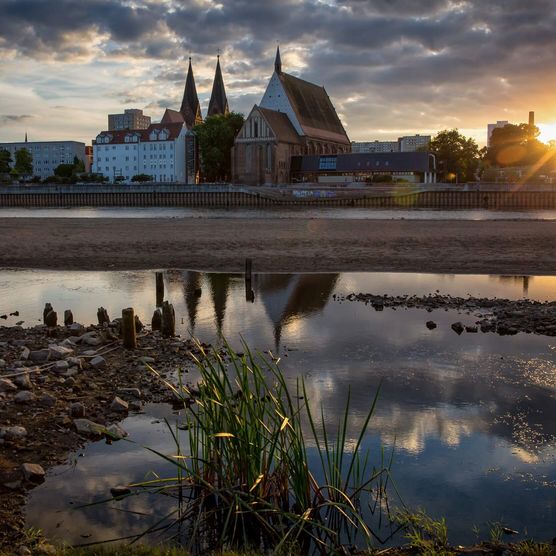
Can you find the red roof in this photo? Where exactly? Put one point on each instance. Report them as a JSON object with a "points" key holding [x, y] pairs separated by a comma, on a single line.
{"points": [[118, 136]]}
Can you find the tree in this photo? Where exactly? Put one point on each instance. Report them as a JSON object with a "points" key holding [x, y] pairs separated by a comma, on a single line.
{"points": [[23, 162], [64, 170], [515, 145], [138, 178], [215, 137], [5, 161], [457, 156], [78, 165]]}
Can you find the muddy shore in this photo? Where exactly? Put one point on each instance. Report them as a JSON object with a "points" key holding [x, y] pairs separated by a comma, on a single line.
{"points": [[281, 245]]}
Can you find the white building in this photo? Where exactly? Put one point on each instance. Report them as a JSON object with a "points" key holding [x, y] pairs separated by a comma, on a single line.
{"points": [[492, 127], [375, 147], [413, 143], [158, 151], [132, 118], [47, 155]]}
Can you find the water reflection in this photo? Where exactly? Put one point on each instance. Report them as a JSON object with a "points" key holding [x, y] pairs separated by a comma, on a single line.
{"points": [[472, 417]]}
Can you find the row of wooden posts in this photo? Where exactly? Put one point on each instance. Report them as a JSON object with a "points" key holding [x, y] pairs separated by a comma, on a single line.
{"points": [[163, 319]]}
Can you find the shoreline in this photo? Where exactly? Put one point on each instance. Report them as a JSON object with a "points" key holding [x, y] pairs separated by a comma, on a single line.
{"points": [[515, 247]]}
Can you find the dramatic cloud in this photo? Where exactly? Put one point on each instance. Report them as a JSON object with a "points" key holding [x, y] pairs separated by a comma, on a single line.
{"points": [[390, 66]]}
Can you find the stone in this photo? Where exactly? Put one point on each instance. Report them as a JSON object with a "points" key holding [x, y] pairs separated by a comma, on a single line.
{"points": [[458, 328], [47, 400], [138, 324], [98, 362], [25, 352], [89, 428], [33, 472], [147, 359], [77, 410], [23, 382], [68, 317], [6, 385], [116, 432], [76, 328], [129, 392], [93, 340], [119, 405], [471, 329], [431, 325], [24, 397], [119, 491], [39, 355], [156, 322], [13, 433], [61, 366], [70, 382], [59, 352], [2, 364], [75, 362], [51, 319]]}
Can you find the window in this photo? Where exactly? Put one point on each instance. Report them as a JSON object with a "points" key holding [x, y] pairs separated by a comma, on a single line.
{"points": [[327, 163]]}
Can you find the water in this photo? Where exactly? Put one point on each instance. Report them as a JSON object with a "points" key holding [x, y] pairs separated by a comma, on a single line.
{"points": [[294, 212], [471, 418]]}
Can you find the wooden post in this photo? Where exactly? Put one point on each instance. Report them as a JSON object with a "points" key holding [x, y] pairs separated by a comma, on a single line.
{"points": [[47, 309], [128, 328], [156, 322], [159, 288], [102, 315], [248, 268], [51, 319], [68, 317], [168, 320]]}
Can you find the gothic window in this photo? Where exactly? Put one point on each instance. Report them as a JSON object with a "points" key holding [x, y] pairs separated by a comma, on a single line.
{"points": [[255, 128], [269, 157]]}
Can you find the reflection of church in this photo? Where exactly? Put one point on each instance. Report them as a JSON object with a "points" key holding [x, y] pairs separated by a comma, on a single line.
{"points": [[294, 117]]}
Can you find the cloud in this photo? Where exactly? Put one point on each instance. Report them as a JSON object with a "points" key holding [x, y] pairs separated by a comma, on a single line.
{"points": [[14, 118]]}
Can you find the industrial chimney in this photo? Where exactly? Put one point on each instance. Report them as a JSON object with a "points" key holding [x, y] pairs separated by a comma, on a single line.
{"points": [[531, 118]]}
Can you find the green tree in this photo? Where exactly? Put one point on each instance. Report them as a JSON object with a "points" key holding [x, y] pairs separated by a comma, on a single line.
{"points": [[5, 161], [23, 162], [215, 137], [78, 165], [515, 145], [138, 178], [457, 156], [64, 170]]}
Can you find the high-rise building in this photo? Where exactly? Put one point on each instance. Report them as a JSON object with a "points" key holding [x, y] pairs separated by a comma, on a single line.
{"points": [[413, 143], [375, 147], [47, 155], [132, 118], [492, 127]]}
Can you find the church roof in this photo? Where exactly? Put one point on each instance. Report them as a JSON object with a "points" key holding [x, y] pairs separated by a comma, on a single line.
{"points": [[172, 116], [218, 101], [280, 125], [314, 110], [190, 108]]}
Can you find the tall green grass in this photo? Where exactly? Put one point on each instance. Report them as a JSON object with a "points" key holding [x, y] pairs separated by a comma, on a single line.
{"points": [[243, 478]]}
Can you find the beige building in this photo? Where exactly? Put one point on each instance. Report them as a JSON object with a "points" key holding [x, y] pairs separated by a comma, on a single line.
{"points": [[132, 118], [294, 117]]}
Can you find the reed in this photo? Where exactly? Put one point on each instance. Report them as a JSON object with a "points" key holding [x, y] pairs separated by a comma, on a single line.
{"points": [[243, 478]]}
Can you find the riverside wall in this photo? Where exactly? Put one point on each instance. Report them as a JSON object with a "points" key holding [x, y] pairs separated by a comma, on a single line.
{"points": [[236, 196]]}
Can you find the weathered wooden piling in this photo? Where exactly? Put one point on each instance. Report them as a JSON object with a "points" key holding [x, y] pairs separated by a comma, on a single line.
{"points": [[156, 322], [68, 317], [168, 320], [138, 324], [102, 315], [128, 328], [159, 288], [248, 268], [51, 319], [47, 309]]}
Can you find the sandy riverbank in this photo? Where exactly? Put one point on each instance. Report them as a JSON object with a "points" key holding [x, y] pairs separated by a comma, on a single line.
{"points": [[281, 245]]}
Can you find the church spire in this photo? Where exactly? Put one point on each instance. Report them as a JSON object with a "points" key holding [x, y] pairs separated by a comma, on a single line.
{"points": [[26, 137], [190, 108], [278, 61], [218, 102]]}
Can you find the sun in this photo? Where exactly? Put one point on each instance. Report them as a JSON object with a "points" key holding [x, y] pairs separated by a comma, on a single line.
{"points": [[547, 132]]}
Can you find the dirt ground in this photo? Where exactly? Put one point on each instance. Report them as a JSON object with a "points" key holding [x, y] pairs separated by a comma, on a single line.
{"points": [[281, 245]]}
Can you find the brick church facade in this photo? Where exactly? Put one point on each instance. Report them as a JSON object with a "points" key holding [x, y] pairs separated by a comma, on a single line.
{"points": [[294, 117]]}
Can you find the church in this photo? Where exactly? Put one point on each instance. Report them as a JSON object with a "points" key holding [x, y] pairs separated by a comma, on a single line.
{"points": [[295, 117]]}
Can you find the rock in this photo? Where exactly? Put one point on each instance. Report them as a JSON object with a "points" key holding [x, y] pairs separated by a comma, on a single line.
{"points": [[70, 381], [47, 400], [457, 327], [51, 319], [471, 329], [89, 428], [23, 382], [25, 352], [68, 317], [25, 396], [61, 366], [59, 352], [98, 362], [77, 410], [119, 405], [431, 325], [102, 315], [2, 364], [39, 355], [156, 322], [146, 359], [138, 324], [75, 362], [6, 385], [3, 317], [119, 491], [129, 392], [13, 433], [91, 339], [116, 432], [76, 328], [33, 472]]}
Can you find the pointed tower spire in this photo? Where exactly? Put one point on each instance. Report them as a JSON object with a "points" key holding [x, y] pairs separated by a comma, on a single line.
{"points": [[190, 108], [218, 102], [26, 137], [278, 61]]}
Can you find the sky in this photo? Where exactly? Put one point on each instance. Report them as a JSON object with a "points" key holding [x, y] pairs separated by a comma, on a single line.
{"points": [[391, 67]]}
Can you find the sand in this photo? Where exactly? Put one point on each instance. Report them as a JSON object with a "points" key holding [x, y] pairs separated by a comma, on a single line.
{"points": [[281, 245]]}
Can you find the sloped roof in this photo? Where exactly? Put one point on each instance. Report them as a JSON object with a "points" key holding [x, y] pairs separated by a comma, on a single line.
{"points": [[172, 116], [119, 136], [190, 108], [314, 110], [218, 103], [280, 125]]}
